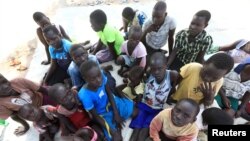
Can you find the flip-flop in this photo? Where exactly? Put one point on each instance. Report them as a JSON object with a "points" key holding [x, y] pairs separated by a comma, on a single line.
{"points": [[22, 68], [14, 62]]}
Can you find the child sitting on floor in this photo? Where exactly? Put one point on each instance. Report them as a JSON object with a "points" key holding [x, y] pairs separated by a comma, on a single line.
{"points": [[104, 107], [60, 58], [135, 88], [176, 123], [46, 123], [156, 93], [42, 20], [133, 51]]}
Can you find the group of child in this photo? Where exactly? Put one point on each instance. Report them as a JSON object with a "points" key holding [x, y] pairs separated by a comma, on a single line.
{"points": [[91, 107]]}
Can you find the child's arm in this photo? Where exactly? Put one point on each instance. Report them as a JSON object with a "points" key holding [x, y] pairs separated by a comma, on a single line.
{"points": [[120, 88], [225, 100], [20, 130], [137, 62], [245, 100], [229, 47], [50, 71], [98, 47], [155, 127], [172, 57], [171, 40], [200, 56], [111, 47], [208, 93], [45, 136], [125, 25], [64, 34], [67, 123], [44, 42]]}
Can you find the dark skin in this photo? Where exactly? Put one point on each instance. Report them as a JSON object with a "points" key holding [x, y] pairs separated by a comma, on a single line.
{"points": [[83, 134], [197, 25], [126, 21], [233, 45], [111, 45]]}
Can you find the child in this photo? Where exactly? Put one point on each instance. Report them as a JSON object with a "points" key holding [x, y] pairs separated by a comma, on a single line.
{"points": [[60, 58], [202, 82], [97, 99], [132, 17], [85, 134], [236, 87], [135, 88], [109, 36], [133, 51], [157, 89], [159, 30], [17, 92], [43, 21], [45, 123], [176, 123], [191, 44]]}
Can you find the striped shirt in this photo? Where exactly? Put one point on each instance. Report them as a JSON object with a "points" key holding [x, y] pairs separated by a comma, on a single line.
{"points": [[188, 51]]}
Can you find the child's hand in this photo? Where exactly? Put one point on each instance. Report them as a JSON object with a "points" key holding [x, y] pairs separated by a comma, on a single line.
{"points": [[118, 120], [226, 102], [153, 27], [21, 130], [208, 92]]}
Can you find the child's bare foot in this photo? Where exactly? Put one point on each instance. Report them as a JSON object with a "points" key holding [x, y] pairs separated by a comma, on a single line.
{"points": [[108, 68], [120, 71], [45, 62]]}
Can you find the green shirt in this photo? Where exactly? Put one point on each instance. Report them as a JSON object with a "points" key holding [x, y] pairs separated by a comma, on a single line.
{"points": [[111, 34], [188, 51]]}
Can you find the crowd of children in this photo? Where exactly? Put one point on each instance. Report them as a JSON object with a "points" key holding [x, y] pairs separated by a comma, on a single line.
{"points": [[79, 96]]}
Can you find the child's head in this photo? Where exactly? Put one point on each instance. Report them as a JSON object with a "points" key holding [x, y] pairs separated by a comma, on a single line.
{"points": [[128, 14], [5, 87], [41, 19], [135, 33], [91, 73], [98, 20], [158, 66], [244, 70], [29, 112], [78, 53], [216, 116], [52, 36], [184, 112], [63, 96], [135, 75], [216, 67], [199, 22], [159, 13]]}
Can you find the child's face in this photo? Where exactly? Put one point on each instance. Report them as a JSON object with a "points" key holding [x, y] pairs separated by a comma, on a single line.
{"points": [[245, 73], [80, 56], [43, 22], [68, 100], [158, 69], [134, 36], [5, 87], [197, 25], [53, 39], [95, 26], [134, 80], [32, 114], [158, 17], [246, 48], [183, 113], [94, 77], [209, 73]]}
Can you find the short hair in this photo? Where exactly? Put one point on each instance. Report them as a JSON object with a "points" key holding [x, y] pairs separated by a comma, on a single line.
{"points": [[159, 55], [23, 109], [55, 91], [37, 16], [99, 16], [51, 28], [135, 28], [128, 12], [204, 13], [86, 66], [136, 71], [74, 47], [216, 116], [221, 61], [160, 5], [193, 103]]}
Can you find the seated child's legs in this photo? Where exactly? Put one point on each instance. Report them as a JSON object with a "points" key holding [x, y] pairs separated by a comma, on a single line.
{"points": [[234, 102], [104, 56]]}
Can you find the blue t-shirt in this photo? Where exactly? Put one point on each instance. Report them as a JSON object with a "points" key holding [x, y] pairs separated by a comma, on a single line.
{"points": [[95, 99], [62, 54]]}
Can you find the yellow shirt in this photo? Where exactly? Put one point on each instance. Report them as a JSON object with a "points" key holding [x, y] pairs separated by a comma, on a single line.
{"points": [[138, 89], [189, 85]]}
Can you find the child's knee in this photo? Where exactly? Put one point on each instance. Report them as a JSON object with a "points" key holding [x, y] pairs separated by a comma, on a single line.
{"points": [[120, 60]]}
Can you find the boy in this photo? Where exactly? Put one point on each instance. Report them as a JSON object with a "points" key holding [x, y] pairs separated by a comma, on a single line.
{"points": [[202, 82], [17, 92], [191, 44], [43, 21], [157, 89], [108, 36], [60, 58], [158, 30], [176, 123], [107, 110]]}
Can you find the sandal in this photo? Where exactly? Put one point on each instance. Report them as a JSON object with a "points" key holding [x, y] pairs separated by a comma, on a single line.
{"points": [[14, 62], [22, 68]]}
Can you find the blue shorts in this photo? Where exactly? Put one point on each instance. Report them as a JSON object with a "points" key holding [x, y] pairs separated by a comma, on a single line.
{"points": [[128, 60], [144, 117]]}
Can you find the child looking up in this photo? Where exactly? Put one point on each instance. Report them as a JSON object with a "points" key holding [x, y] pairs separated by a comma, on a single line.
{"points": [[202, 82], [156, 93], [133, 52], [108, 36], [60, 58], [176, 123], [42, 20], [97, 99]]}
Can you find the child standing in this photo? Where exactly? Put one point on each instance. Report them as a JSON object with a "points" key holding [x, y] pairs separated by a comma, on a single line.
{"points": [[97, 99], [60, 58], [192, 43], [42, 20], [202, 82], [133, 51], [176, 123], [157, 89], [108, 36]]}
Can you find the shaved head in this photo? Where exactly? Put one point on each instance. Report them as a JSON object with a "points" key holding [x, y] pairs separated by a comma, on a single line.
{"points": [[160, 6]]}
